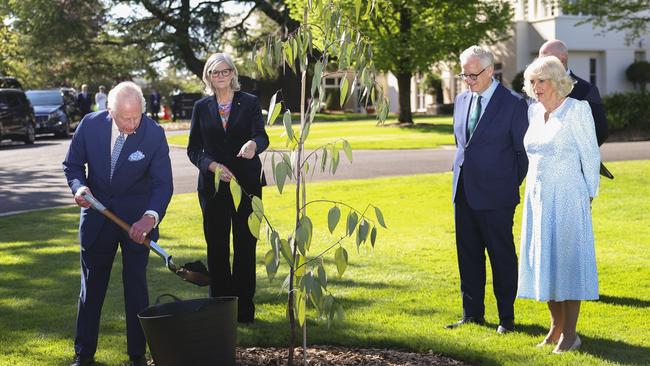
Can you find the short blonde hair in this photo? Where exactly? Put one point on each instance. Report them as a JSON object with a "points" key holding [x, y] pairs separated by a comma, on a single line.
{"points": [[126, 91], [548, 68], [211, 63]]}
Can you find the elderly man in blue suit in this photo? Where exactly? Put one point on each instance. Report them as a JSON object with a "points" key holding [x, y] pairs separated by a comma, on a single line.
{"points": [[489, 126], [129, 171]]}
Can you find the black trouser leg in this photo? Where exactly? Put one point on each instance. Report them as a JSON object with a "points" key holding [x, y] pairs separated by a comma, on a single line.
{"points": [[216, 228], [243, 269], [471, 256]]}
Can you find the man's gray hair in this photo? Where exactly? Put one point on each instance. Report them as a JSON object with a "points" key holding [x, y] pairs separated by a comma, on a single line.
{"points": [[486, 58], [126, 91], [211, 63]]}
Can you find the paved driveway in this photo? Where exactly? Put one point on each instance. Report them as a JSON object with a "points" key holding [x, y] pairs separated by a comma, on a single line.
{"points": [[31, 176]]}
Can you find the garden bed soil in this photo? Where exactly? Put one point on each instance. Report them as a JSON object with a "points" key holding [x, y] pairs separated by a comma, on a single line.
{"points": [[339, 356]]}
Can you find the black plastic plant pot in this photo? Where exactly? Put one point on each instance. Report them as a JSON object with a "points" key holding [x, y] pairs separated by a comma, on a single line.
{"points": [[191, 332]]}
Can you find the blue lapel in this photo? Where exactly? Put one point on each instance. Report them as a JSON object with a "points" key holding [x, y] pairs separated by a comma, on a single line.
{"points": [[104, 143], [213, 109], [236, 109]]}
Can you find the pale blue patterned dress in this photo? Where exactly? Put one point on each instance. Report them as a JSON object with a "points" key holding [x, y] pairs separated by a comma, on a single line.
{"points": [[557, 259]]}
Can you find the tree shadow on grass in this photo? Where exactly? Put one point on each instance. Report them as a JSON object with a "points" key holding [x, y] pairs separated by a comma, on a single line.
{"points": [[442, 128], [624, 301]]}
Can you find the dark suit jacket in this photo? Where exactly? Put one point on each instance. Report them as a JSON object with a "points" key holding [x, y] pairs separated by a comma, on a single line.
{"points": [[84, 100], [209, 142], [582, 90], [142, 179], [494, 161]]}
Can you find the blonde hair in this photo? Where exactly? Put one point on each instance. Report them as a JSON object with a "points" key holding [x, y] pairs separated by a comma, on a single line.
{"points": [[125, 91], [212, 61], [548, 68]]}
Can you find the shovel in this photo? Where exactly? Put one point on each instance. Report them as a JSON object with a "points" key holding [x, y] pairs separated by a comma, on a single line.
{"points": [[194, 272]]}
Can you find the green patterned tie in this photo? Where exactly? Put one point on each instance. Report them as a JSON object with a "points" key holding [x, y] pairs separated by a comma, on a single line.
{"points": [[474, 117]]}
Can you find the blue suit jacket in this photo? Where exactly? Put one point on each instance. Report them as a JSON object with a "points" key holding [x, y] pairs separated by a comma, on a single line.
{"points": [[142, 179], [494, 160], [582, 90]]}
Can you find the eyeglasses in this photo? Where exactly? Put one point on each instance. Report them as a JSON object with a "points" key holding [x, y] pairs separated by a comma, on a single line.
{"points": [[224, 73], [473, 77]]}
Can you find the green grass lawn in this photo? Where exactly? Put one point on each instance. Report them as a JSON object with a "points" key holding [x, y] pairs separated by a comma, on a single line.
{"points": [[399, 295], [427, 133]]}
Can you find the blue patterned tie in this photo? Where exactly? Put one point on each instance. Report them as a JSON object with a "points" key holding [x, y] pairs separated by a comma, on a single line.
{"points": [[474, 117], [117, 148]]}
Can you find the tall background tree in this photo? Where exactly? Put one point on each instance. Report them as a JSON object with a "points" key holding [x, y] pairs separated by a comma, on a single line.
{"points": [[630, 16], [409, 36], [65, 42]]}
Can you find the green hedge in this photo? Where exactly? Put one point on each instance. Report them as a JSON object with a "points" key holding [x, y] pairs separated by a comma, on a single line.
{"points": [[627, 110]]}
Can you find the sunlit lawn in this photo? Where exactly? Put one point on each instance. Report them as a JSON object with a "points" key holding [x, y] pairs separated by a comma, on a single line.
{"points": [[428, 132], [399, 295]]}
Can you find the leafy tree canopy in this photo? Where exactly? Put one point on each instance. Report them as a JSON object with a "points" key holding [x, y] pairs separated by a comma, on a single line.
{"points": [[630, 16]]}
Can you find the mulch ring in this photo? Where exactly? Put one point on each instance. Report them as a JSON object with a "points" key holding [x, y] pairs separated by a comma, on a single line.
{"points": [[340, 356]]}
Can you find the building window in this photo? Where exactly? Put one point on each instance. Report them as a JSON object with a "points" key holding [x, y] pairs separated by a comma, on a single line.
{"points": [[592, 71], [498, 72], [420, 94], [640, 56]]}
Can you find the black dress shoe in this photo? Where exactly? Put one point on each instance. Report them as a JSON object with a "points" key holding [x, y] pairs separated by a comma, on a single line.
{"points": [[138, 361], [506, 326], [466, 320], [79, 360]]}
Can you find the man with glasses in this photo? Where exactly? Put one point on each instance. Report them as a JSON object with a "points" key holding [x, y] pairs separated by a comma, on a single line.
{"points": [[489, 126]]}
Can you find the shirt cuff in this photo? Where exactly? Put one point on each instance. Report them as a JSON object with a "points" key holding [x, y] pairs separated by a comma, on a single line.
{"points": [[155, 216]]}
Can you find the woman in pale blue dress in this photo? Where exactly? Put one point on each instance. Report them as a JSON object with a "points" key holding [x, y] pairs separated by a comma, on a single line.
{"points": [[557, 259]]}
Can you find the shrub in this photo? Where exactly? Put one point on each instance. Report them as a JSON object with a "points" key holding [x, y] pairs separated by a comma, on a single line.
{"points": [[639, 74], [627, 110]]}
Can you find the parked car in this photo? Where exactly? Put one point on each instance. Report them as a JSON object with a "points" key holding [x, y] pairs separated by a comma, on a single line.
{"points": [[7, 82], [56, 110], [16, 116]]}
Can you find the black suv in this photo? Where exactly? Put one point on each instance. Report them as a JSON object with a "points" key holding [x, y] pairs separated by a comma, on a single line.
{"points": [[16, 116], [56, 110]]}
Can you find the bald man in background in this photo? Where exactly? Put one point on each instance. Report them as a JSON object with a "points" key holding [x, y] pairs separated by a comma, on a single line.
{"points": [[582, 90]]}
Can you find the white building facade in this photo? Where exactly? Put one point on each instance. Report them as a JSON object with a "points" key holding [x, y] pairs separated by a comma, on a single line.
{"points": [[595, 55]]}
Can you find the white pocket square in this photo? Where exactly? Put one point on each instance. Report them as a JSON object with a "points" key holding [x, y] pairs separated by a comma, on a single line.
{"points": [[138, 155]]}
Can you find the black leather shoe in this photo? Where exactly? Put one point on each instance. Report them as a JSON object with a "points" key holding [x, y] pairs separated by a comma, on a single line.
{"points": [[82, 361], [138, 361], [506, 326], [479, 321]]}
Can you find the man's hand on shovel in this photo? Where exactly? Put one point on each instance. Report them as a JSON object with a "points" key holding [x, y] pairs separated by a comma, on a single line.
{"points": [[141, 228]]}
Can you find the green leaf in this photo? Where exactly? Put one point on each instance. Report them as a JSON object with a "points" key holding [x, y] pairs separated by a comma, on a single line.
{"points": [[315, 81], [280, 175], [362, 233], [323, 162], [272, 263], [276, 112], [258, 207], [285, 249], [344, 90], [380, 217], [322, 275], [275, 243], [286, 120], [341, 260], [288, 54], [306, 229], [254, 225], [357, 9], [301, 307], [217, 178], [259, 61], [353, 219], [235, 191], [347, 149], [335, 159], [333, 217], [300, 265], [373, 236]]}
